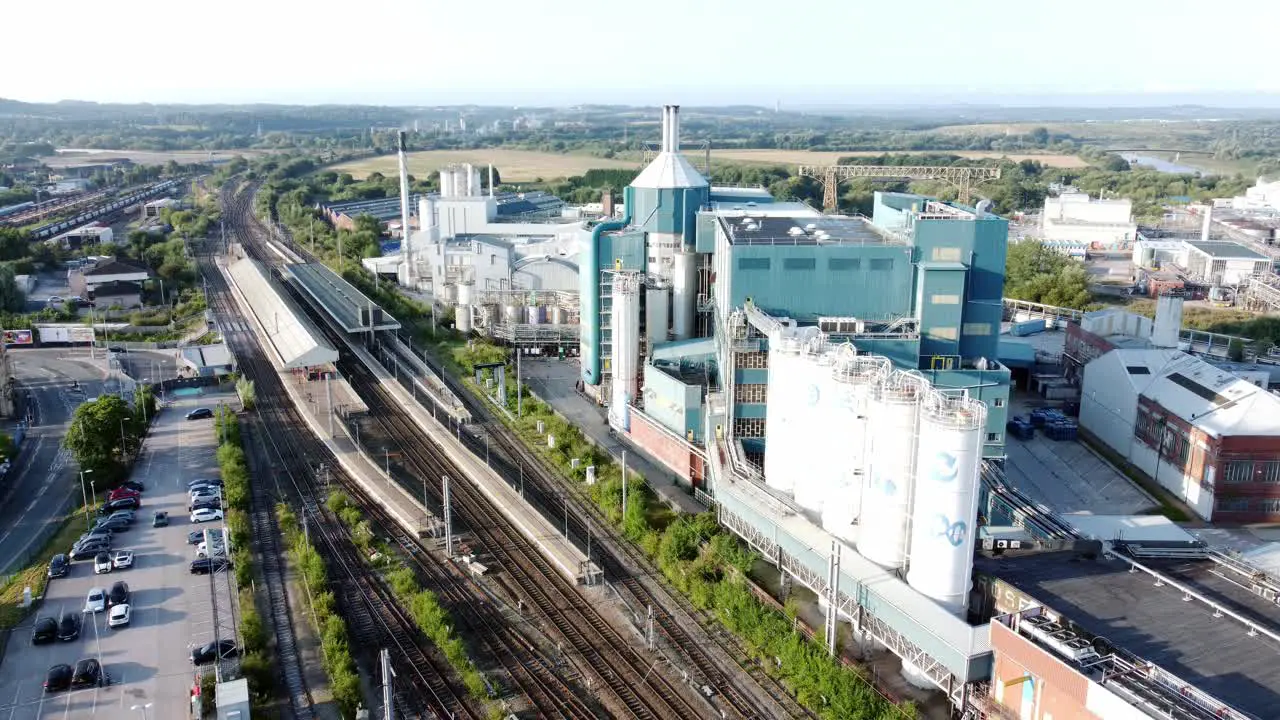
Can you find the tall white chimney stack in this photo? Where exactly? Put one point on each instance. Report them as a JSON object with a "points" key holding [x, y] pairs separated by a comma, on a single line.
{"points": [[490, 179], [1208, 224], [405, 254], [675, 128]]}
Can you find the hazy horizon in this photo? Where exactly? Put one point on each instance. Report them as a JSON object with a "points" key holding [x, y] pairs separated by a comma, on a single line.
{"points": [[715, 52]]}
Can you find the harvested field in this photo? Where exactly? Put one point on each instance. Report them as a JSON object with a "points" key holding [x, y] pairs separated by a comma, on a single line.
{"points": [[805, 157], [68, 157], [513, 165]]}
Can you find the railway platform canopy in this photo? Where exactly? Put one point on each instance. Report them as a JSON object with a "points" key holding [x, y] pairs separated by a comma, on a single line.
{"points": [[292, 340], [351, 309]]}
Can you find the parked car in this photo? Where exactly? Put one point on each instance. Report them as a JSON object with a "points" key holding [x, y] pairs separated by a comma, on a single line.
{"points": [[213, 482], [96, 537], [206, 515], [102, 563], [200, 414], [123, 492], [59, 566], [202, 550], [44, 631], [69, 627], [160, 519], [119, 594], [119, 615], [195, 536], [205, 504], [209, 652], [129, 515], [89, 550], [88, 673], [134, 485], [95, 601], [204, 566], [205, 493], [58, 678], [112, 524], [126, 503], [56, 300], [122, 559]]}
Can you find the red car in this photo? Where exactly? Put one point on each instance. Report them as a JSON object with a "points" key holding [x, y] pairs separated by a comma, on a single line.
{"points": [[123, 492]]}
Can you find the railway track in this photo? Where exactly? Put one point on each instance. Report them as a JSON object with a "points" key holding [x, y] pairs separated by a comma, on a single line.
{"points": [[375, 618], [633, 574]]}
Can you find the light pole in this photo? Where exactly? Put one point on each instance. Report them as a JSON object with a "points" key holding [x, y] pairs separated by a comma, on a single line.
{"points": [[93, 490], [142, 709], [85, 495], [124, 446], [97, 641]]}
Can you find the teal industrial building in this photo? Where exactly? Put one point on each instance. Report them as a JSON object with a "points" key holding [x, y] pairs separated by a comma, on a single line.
{"points": [[690, 303]]}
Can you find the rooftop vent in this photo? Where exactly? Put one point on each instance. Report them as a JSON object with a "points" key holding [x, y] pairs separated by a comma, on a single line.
{"points": [[751, 204], [795, 230], [810, 227]]}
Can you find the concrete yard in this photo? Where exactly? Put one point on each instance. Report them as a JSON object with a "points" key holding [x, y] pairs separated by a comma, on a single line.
{"points": [[1069, 477], [148, 660]]}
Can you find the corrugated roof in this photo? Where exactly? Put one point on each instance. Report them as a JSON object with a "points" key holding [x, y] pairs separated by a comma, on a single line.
{"points": [[1226, 250], [294, 340], [669, 170]]}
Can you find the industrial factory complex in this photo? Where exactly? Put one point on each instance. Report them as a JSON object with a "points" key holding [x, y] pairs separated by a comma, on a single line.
{"points": [[834, 387]]}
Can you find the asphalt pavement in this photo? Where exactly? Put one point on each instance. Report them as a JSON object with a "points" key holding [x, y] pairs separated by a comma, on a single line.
{"points": [[148, 661], [41, 484]]}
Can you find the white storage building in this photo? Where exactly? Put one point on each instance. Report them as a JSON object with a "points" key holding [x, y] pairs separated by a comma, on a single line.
{"points": [[1076, 219]]}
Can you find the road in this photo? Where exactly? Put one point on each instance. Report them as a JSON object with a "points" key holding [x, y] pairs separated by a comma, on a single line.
{"points": [[40, 486], [147, 661]]}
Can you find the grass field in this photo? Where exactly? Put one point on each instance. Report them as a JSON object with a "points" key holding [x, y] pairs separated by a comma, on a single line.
{"points": [[514, 165], [805, 157], [144, 157]]}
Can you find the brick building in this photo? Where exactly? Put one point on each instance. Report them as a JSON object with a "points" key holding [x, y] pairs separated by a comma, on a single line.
{"points": [[1207, 436]]}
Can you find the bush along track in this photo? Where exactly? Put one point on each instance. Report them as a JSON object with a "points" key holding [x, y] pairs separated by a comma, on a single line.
{"points": [[256, 663], [695, 555], [335, 644], [423, 605]]}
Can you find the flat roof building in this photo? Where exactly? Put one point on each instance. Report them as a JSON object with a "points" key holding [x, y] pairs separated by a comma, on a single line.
{"points": [[1224, 263], [1073, 220]]}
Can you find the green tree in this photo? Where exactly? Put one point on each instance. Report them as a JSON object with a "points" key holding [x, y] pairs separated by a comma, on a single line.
{"points": [[1235, 350], [102, 432], [1036, 273], [12, 298]]}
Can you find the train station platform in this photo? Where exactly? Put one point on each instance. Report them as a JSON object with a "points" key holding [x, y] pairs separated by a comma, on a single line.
{"points": [[571, 562], [291, 341], [408, 365], [351, 310]]}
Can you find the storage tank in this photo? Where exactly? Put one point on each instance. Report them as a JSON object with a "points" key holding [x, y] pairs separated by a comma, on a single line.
{"points": [[684, 294], [657, 311], [787, 451], [489, 315], [537, 314], [856, 378], [558, 315], [626, 347], [512, 314], [886, 491], [819, 429], [447, 294], [465, 293], [945, 507], [462, 318]]}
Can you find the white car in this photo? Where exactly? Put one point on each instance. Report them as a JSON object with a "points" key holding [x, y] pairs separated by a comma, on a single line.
{"points": [[206, 515], [102, 563], [119, 615], [219, 550], [122, 559], [95, 601]]}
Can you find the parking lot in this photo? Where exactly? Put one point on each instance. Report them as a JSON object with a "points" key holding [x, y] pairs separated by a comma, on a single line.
{"points": [[147, 661], [1068, 477]]}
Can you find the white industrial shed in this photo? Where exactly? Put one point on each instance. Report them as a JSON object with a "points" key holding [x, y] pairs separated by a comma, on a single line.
{"points": [[1136, 400], [1224, 263], [295, 343]]}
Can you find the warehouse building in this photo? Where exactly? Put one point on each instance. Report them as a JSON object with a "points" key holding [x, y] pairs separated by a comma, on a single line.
{"points": [[1077, 223], [1223, 263], [1210, 438]]}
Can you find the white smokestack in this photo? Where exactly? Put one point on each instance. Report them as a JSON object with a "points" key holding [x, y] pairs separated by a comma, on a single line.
{"points": [[675, 128], [1164, 333], [405, 254], [666, 128], [471, 174], [1208, 224], [490, 179]]}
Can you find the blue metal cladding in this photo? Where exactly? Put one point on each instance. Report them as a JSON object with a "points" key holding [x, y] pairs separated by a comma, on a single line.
{"points": [[589, 289], [940, 307], [806, 282], [983, 244], [668, 210]]}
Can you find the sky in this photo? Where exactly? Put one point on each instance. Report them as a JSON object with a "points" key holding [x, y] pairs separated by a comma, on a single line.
{"points": [[693, 52]]}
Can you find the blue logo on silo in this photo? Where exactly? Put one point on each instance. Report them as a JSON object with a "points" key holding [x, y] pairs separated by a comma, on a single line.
{"points": [[945, 467], [952, 532]]}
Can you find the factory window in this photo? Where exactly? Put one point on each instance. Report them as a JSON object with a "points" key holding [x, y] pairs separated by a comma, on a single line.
{"points": [[945, 299], [1269, 505], [799, 263], [999, 402], [1232, 504], [493, 259], [1238, 471], [993, 437], [942, 333], [976, 328], [844, 263], [946, 254], [753, 263], [1270, 472], [751, 393], [881, 264]]}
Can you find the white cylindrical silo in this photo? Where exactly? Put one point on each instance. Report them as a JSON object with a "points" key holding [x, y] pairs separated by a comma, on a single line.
{"points": [[783, 447], [626, 346], [558, 315], [818, 428], [536, 314], [945, 506], [886, 490], [856, 377], [462, 318], [657, 309], [684, 294], [465, 293]]}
